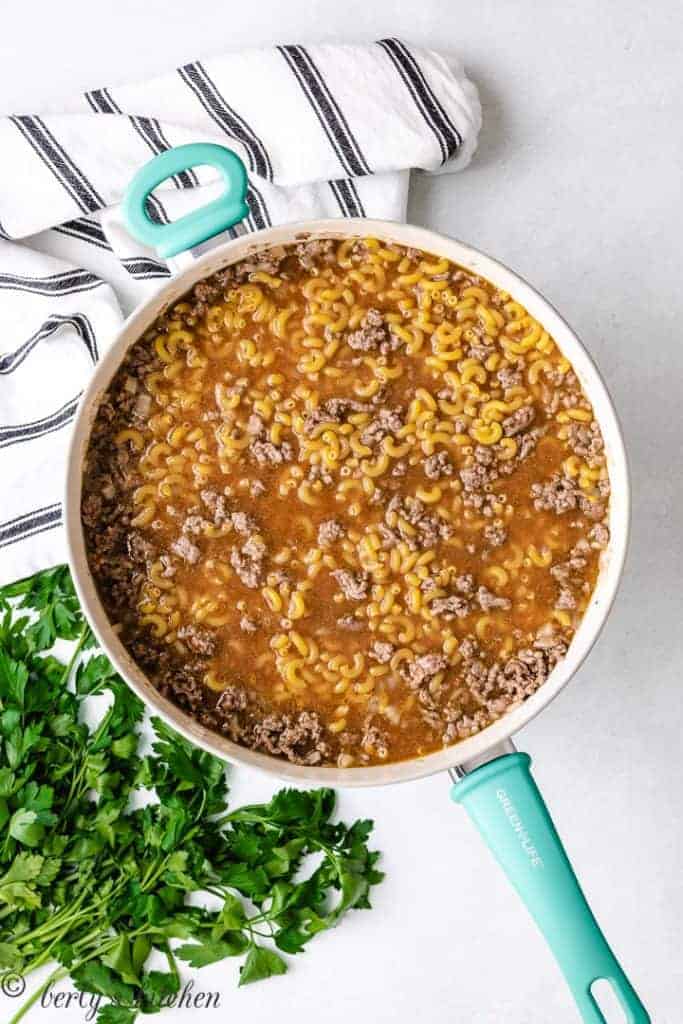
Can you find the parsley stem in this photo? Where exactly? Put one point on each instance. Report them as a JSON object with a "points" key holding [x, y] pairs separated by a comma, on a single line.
{"points": [[56, 975], [82, 637]]}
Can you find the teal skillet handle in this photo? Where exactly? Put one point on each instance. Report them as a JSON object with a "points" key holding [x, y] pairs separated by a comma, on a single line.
{"points": [[505, 804], [195, 227]]}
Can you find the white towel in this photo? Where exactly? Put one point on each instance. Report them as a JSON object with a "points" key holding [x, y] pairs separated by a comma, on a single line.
{"points": [[325, 131]]}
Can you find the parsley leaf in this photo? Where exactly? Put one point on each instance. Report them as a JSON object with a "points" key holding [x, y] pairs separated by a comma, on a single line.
{"points": [[98, 880], [261, 963]]}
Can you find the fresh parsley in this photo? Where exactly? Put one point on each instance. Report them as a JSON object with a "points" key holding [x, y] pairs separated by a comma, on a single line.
{"points": [[94, 884]]}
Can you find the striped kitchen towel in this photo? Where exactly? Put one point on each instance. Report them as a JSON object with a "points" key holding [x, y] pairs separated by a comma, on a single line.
{"points": [[325, 131]]}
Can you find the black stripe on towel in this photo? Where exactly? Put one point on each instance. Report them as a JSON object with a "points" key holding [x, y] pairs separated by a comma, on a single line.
{"points": [[148, 128], [21, 432], [101, 102], [226, 117], [346, 194], [144, 268], [85, 230], [327, 109], [68, 282], [31, 523], [55, 157], [434, 113], [11, 360]]}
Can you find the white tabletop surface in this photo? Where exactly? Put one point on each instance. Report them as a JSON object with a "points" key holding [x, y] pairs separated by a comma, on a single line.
{"points": [[577, 185]]}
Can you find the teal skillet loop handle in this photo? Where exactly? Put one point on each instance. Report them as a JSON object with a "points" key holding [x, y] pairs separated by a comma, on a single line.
{"points": [[199, 225], [505, 804]]}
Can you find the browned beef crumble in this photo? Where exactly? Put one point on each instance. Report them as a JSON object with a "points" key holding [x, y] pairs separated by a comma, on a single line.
{"points": [[329, 531], [450, 607], [350, 623], [334, 410], [438, 465], [354, 587], [423, 669], [495, 533], [185, 549], [199, 640], [509, 377], [381, 651], [430, 529], [386, 422], [247, 562], [488, 601], [376, 740], [373, 335], [518, 421]]}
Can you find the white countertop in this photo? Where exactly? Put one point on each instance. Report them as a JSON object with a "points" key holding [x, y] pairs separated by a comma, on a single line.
{"points": [[577, 185]]}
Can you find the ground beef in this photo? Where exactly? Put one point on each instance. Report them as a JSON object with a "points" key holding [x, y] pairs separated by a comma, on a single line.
{"points": [[461, 725], [329, 531], [180, 682], [508, 377], [465, 583], [139, 548], [591, 509], [217, 505], [350, 623], [495, 533], [490, 602], [188, 551], [518, 421], [375, 740], [381, 651], [526, 444], [268, 454], [475, 478], [430, 529], [233, 698], [566, 600], [585, 441], [248, 625], [469, 648], [484, 455], [438, 465], [200, 640], [354, 586], [450, 607], [243, 523], [387, 421], [373, 335], [312, 254], [569, 571], [558, 495], [480, 351], [254, 548], [298, 738], [169, 568], [248, 562], [334, 410], [522, 675], [423, 669], [599, 535], [91, 510], [194, 525]]}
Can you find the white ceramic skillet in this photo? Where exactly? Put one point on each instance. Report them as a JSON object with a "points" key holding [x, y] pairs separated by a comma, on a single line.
{"points": [[492, 780]]}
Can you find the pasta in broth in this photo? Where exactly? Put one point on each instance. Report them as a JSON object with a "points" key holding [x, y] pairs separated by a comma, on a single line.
{"points": [[345, 502]]}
